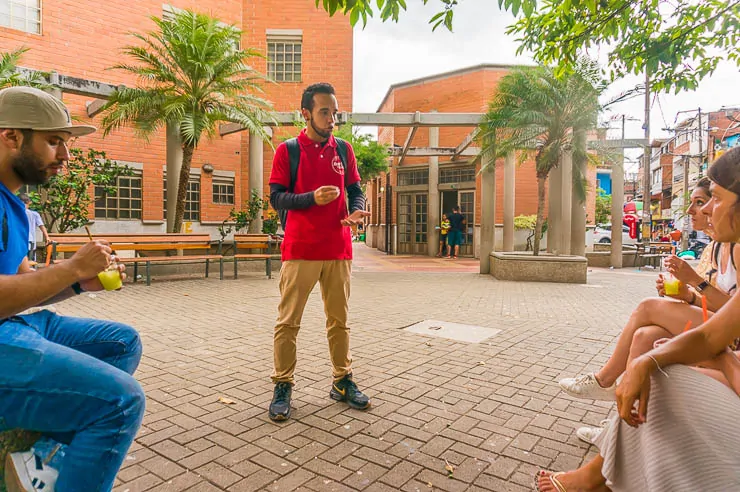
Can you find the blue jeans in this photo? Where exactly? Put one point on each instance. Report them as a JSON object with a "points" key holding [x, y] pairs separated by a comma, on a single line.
{"points": [[70, 378]]}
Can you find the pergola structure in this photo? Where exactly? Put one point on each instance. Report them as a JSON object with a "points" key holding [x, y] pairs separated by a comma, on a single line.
{"points": [[567, 221]]}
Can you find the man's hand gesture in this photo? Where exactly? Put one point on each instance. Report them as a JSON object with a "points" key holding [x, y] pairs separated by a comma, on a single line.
{"points": [[355, 218]]}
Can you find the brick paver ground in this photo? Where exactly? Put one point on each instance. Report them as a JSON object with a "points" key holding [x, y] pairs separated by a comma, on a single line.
{"points": [[493, 410]]}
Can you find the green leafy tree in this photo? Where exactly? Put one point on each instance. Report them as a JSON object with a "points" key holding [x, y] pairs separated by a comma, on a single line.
{"points": [[192, 77], [242, 218], [371, 156], [10, 76], [603, 207], [64, 200], [678, 42], [534, 109]]}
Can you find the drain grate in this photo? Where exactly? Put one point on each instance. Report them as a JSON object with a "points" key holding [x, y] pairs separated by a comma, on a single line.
{"points": [[452, 331]]}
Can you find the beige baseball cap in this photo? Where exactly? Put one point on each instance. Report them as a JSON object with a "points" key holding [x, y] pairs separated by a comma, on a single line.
{"points": [[28, 108]]}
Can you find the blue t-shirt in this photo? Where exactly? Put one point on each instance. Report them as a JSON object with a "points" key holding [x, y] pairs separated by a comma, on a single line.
{"points": [[13, 232]]}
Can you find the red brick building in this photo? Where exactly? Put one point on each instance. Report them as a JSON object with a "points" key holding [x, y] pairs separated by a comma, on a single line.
{"points": [[83, 38], [468, 90]]}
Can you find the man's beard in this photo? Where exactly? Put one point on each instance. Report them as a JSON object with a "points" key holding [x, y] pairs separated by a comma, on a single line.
{"points": [[320, 133], [29, 168]]}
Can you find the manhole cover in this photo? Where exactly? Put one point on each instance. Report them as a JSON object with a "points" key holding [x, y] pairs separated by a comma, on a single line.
{"points": [[452, 331]]}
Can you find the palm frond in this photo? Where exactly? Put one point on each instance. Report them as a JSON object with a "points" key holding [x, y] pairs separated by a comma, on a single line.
{"points": [[191, 75]]}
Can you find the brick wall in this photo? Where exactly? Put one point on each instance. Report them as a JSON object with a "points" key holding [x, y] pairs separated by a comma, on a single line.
{"points": [[460, 93], [83, 38]]}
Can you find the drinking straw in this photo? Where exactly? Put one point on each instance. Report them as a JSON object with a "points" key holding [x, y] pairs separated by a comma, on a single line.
{"points": [[687, 327], [704, 314]]}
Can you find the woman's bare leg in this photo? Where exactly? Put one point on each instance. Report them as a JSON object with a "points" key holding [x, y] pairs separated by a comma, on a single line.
{"points": [[668, 314]]}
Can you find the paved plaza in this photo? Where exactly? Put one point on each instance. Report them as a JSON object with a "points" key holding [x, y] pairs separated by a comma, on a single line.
{"points": [[492, 410]]}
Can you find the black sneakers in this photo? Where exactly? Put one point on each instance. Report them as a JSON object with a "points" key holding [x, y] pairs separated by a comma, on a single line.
{"points": [[280, 405], [346, 390]]}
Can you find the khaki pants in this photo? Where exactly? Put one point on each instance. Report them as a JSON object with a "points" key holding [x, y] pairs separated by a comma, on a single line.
{"points": [[297, 280]]}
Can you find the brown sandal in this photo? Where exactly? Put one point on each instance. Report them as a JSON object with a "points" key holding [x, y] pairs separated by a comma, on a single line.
{"points": [[553, 480]]}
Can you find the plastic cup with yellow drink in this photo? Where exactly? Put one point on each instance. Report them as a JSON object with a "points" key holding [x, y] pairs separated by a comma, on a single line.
{"points": [[111, 277], [671, 285]]}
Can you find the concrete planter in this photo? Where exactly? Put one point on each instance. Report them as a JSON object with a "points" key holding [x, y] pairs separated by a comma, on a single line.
{"points": [[524, 267], [602, 259]]}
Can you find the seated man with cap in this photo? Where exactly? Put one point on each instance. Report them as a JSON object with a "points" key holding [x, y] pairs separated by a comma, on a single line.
{"points": [[66, 378]]}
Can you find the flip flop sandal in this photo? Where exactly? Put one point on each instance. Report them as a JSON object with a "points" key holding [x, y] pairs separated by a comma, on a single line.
{"points": [[553, 480]]}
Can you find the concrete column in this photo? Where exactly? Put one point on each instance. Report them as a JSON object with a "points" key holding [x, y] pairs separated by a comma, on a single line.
{"points": [[256, 176], [433, 214], [509, 202], [488, 211], [578, 221], [554, 208], [174, 164], [617, 210], [54, 90], [566, 197]]}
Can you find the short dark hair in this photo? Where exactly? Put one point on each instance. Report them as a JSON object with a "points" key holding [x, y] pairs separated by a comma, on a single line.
{"points": [[25, 198], [311, 90], [456, 208]]}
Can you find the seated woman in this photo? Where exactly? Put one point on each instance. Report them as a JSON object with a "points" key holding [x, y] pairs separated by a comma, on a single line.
{"points": [[666, 317], [687, 442]]}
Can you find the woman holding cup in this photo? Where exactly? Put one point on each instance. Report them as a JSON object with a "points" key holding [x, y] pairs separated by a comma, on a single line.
{"points": [[672, 429], [660, 317]]}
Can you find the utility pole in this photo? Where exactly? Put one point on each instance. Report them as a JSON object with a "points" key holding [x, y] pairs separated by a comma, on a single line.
{"points": [[617, 206], [646, 215], [686, 194]]}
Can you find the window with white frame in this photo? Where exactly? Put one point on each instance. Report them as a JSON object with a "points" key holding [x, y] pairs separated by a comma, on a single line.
{"points": [[192, 199], [125, 203], [284, 55], [24, 15], [223, 191]]}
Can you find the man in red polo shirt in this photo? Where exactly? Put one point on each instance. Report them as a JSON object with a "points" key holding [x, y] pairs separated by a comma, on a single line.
{"points": [[317, 246]]}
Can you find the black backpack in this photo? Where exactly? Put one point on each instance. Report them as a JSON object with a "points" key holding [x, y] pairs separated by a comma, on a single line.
{"points": [[294, 151]]}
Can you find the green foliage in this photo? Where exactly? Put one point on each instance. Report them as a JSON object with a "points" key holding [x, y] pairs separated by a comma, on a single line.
{"points": [[192, 77], [603, 207], [388, 9], [372, 157], [10, 76], [64, 200], [522, 222], [270, 224], [678, 42], [239, 220]]}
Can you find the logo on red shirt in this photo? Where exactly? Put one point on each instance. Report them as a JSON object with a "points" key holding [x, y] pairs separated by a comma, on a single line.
{"points": [[336, 164]]}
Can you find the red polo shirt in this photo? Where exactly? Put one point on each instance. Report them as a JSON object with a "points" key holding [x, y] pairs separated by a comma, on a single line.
{"points": [[316, 233]]}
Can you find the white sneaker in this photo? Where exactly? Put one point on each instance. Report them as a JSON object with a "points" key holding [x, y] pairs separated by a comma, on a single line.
{"points": [[586, 386], [589, 434], [25, 472]]}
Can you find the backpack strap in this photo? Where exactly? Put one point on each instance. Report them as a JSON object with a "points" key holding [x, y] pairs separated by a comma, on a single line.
{"points": [[294, 151], [342, 152]]}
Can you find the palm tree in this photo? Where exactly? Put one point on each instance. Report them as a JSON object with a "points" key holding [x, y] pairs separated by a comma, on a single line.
{"points": [[10, 75], [535, 109], [192, 77]]}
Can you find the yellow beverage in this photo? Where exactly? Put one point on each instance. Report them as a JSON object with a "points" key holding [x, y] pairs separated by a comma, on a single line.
{"points": [[672, 286], [111, 279]]}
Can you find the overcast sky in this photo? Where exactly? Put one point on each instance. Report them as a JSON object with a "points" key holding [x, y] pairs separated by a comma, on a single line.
{"points": [[388, 53]]}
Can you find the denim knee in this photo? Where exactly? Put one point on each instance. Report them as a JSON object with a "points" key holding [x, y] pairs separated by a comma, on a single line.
{"points": [[133, 403]]}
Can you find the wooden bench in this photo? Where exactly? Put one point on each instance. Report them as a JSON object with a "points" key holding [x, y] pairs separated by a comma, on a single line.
{"points": [[143, 245], [267, 246], [654, 255]]}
